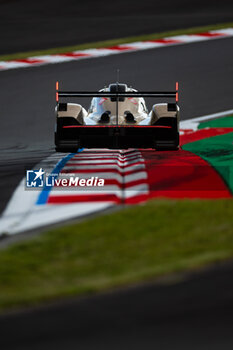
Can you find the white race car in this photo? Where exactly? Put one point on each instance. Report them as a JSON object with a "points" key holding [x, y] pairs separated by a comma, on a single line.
{"points": [[117, 118]]}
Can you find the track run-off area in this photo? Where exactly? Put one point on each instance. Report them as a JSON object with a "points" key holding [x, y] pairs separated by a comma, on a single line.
{"points": [[201, 168]]}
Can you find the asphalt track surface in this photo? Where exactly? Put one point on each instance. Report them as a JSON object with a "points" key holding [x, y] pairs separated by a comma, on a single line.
{"points": [[194, 314], [30, 25]]}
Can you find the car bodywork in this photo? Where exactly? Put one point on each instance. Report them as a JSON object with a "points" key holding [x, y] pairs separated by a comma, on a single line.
{"points": [[117, 118]]}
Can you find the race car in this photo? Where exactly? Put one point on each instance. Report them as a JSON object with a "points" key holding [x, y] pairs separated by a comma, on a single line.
{"points": [[117, 119]]}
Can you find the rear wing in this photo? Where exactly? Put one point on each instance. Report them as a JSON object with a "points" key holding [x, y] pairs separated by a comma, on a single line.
{"points": [[116, 95]]}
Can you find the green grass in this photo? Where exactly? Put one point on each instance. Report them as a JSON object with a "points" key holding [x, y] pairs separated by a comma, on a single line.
{"points": [[107, 43], [136, 244]]}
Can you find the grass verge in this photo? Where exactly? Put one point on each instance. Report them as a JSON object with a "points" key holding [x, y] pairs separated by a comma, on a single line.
{"points": [[133, 245], [108, 43]]}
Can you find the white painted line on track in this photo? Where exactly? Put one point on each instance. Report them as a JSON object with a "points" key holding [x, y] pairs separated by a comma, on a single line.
{"points": [[193, 123]]}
